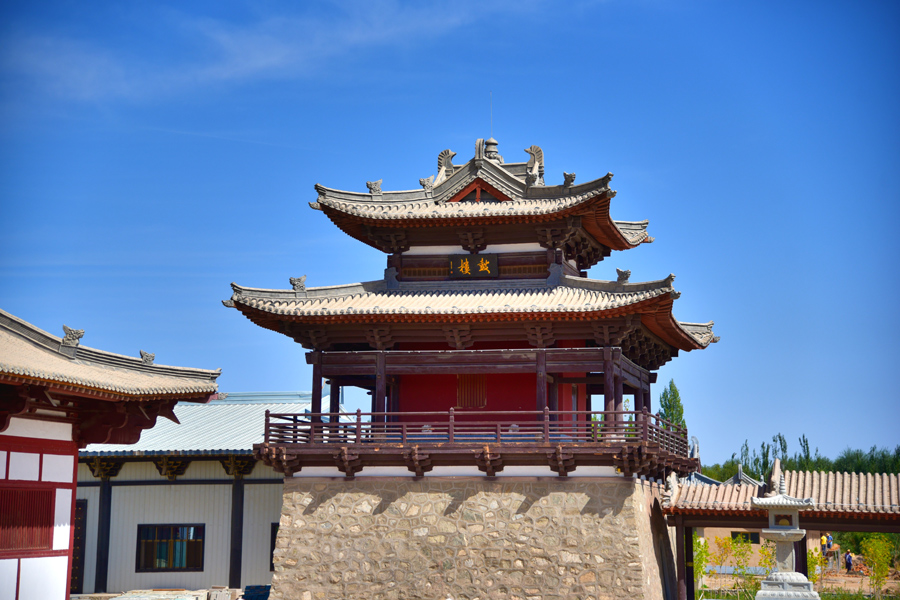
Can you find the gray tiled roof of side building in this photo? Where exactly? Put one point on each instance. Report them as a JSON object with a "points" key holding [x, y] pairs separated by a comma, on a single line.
{"points": [[28, 352]]}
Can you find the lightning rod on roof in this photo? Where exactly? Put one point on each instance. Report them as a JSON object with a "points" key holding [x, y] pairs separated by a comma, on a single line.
{"points": [[492, 113]]}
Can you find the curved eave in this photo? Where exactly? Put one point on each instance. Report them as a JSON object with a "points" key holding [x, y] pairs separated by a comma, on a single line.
{"points": [[271, 308], [101, 393], [680, 335], [617, 235]]}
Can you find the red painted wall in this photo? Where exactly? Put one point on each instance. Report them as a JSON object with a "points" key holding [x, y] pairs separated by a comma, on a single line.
{"points": [[516, 391]]}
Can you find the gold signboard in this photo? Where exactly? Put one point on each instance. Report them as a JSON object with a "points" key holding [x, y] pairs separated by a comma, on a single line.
{"points": [[473, 266]]}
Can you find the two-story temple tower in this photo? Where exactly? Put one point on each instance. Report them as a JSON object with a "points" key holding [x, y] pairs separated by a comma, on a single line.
{"points": [[488, 353]]}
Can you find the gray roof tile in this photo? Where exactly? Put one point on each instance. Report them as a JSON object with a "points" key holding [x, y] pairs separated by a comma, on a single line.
{"points": [[27, 352]]}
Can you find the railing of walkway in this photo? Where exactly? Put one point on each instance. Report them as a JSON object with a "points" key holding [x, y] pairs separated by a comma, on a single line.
{"points": [[477, 427]]}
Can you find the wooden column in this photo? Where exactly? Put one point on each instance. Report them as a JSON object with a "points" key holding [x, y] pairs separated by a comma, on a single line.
{"points": [[334, 404], [104, 507], [553, 397], [689, 560], [680, 566], [237, 532], [316, 400], [541, 369], [648, 401], [639, 398], [380, 385], [620, 403], [395, 399], [609, 386]]}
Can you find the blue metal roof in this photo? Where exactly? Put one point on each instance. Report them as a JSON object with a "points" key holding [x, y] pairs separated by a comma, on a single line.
{"points": [[227, 426]]}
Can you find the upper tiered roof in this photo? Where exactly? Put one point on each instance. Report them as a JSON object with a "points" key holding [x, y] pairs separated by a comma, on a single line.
{"points": [[484, 191]]}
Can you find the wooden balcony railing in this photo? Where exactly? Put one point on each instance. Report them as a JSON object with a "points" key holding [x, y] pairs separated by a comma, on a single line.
{"points": [[503, 428]]}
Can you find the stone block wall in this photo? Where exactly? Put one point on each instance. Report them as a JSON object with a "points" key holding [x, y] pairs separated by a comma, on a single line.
{"points": [[471, 538]]}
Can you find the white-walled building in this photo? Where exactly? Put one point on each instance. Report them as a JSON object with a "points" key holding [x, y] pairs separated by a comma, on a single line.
{"points": [[57, 396], [188, 506]]}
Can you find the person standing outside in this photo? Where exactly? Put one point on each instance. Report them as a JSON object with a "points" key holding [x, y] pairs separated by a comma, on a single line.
{"points": [[824, 543], [848, 560]]}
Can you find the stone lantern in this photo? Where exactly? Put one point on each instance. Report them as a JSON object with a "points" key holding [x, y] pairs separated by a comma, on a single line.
{"points": [[784, 530]]}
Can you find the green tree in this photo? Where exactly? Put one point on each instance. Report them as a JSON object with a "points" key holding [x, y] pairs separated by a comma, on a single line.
{"points": [[670, 407], [877, 550], [701, 560]]}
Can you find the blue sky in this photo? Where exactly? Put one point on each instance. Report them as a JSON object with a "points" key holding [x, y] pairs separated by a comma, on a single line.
{"points": [[153, 152]]}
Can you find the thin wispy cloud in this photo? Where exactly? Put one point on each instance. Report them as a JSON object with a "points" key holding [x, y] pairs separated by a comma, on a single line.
{"points": [[214, 51]]}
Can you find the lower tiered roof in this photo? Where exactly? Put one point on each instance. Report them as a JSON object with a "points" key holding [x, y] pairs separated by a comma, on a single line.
{"points": [[387, 301]]}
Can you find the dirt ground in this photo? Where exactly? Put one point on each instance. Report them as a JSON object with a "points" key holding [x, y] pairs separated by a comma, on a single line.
{"points": [[831, 581]]}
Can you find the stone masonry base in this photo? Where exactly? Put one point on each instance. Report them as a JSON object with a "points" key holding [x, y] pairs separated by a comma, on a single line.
{"points": [[472, 538]]}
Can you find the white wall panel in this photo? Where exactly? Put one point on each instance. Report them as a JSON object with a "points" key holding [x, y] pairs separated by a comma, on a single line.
{"points": [[42, 430], [205, 469], [262, 507], [24, 466], [58, 467], [2, 464], [84, 473], [43, 578], [9, 574], [62, 517], [136, 471], [263, 471], [92, 495], [209, 505]]}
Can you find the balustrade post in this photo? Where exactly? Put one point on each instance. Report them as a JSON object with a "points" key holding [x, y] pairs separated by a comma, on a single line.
{"points": [[403, 433], [546, 425], [358, 425], [266, 437], [498, 433], [450, 432]]}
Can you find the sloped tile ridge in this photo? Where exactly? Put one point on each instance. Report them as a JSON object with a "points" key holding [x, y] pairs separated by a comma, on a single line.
{"points": [[419, 204], [86, 355], [445, 298], [327, 291], [702, 333]]}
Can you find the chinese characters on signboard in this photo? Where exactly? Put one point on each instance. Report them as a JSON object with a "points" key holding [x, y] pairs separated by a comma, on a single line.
{"points": [[473, 266]]}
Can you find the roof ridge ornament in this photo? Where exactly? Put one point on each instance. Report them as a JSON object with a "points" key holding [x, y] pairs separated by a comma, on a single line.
{"points": [[374, 187], [568, 179], [298, 283], [534, 170], [147, 358], [491, 151], [427, 184], [72, 336], [623, 275], [445, 165]]}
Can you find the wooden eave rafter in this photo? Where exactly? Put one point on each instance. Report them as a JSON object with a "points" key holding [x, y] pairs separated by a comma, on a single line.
{"points": [[594, 212], [656, 314]]}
